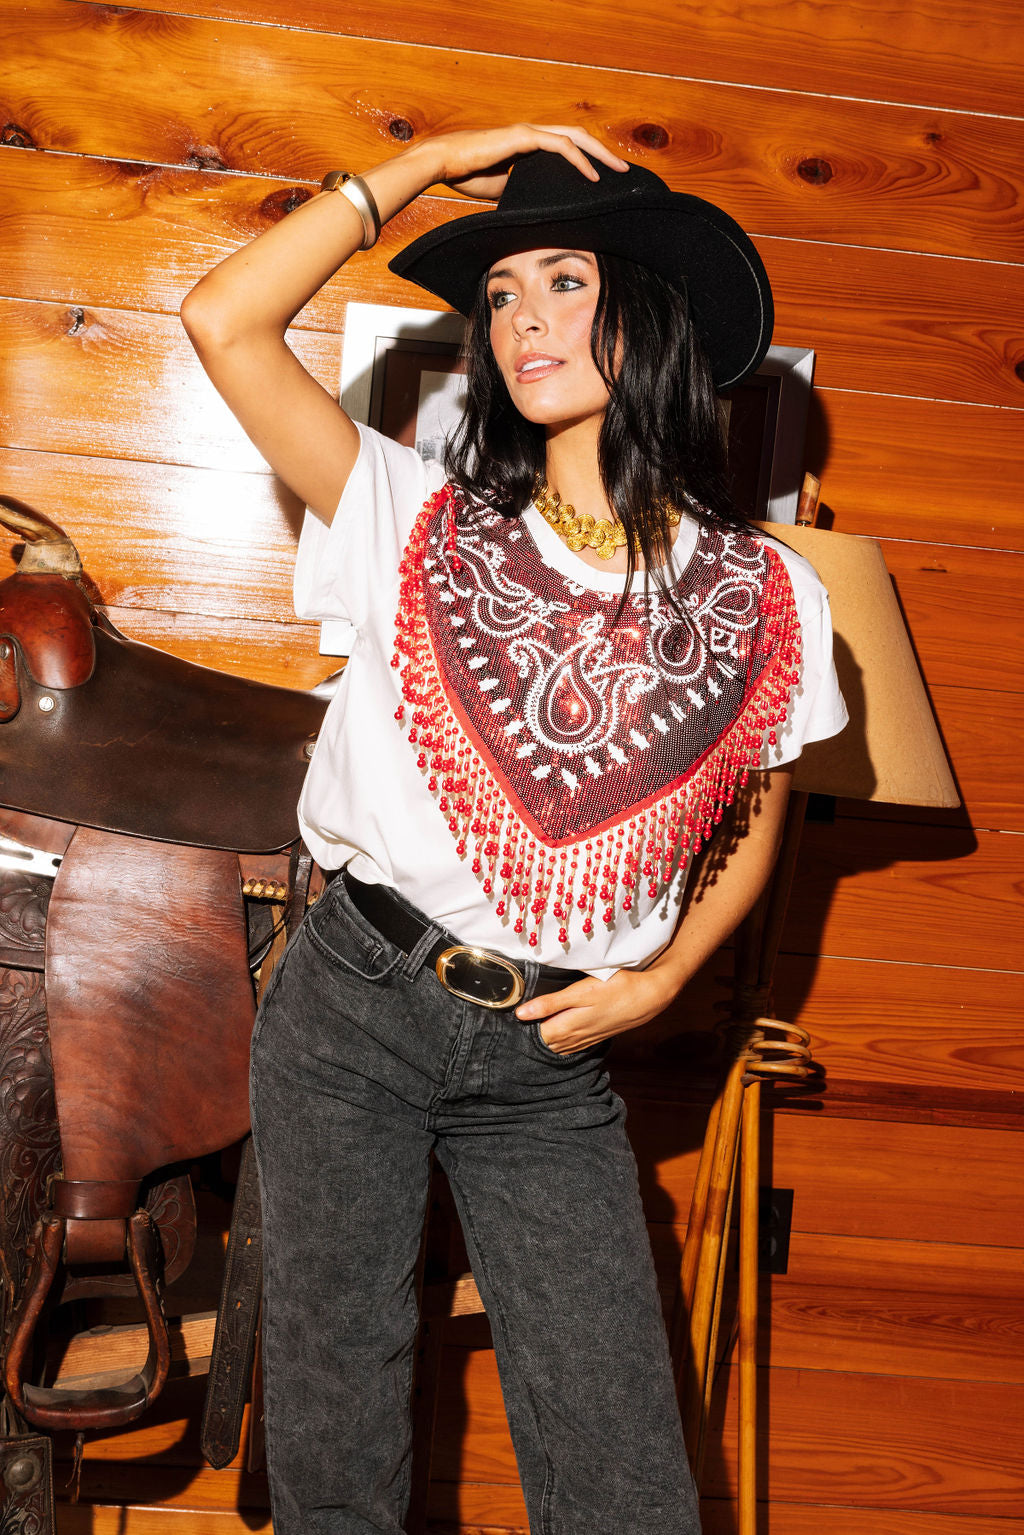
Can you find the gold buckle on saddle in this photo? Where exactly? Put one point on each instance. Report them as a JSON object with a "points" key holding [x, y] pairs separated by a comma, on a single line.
{"points": [[482, 959]]}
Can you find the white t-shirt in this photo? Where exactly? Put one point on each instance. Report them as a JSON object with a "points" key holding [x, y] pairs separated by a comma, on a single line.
{"points": [[365, 801]]}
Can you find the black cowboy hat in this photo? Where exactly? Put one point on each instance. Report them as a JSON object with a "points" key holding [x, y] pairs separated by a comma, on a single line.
{"points": [[548, 203]]}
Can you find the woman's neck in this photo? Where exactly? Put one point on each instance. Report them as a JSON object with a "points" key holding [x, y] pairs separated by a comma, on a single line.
{"points": [[573, 470]]}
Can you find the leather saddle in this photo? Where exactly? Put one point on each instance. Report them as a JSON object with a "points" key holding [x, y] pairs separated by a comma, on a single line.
{"points": [[163, 794]]}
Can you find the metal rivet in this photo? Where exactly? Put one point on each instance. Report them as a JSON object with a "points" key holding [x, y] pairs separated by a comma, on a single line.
{"points": [[46, 703], [22, 1473], [5, 650], [310, 748]]}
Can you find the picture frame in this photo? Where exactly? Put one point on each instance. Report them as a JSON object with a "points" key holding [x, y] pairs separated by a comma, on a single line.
{"points": [[400, 372]]}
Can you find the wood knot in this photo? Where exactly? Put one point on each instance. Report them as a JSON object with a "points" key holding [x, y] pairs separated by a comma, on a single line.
{"points": [[205, 159], [933, 136], [401, 128], [16, 137], [1019, 370], [650, 135], [279, 204], [815, 171], [76, 320]]}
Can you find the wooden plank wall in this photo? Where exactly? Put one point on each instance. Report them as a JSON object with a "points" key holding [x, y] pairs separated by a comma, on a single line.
{"points": [[875, 152]]}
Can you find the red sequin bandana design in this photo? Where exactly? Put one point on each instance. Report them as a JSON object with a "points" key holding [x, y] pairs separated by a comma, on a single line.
{"points": [[574, 757]]}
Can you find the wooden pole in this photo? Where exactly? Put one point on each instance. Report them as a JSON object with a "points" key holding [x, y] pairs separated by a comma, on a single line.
{"points": [[716, 1312], [749, 1245], [680, 1329], [710, 1269]]}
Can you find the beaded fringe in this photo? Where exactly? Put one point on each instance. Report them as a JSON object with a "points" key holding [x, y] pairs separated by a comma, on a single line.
{"points": [[523, 874]]}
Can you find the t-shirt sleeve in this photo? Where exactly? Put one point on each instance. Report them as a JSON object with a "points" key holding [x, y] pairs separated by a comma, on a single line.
{"points": [[338, 568], [816, 706]]}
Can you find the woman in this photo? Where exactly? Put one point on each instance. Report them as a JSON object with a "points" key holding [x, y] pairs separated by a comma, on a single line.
{"points": [[541, 719]]}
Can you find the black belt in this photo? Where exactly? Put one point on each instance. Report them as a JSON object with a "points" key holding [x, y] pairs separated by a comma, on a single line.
{"points": [[476, 975]]}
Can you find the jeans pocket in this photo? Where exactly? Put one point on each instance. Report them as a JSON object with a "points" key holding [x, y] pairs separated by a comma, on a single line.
{"points": [[344, 938], [563, 1058]]}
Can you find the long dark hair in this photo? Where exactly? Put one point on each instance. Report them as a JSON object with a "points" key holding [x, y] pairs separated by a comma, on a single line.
{"points": [[661, 442]]}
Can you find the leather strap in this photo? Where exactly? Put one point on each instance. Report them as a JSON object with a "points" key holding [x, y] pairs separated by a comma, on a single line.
{"points": [[403, 927], [235, 1336], [94, 1200], [235, 1341]]}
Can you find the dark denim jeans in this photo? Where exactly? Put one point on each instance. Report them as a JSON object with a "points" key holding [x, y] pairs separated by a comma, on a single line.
{"points": [[363, 1064]]}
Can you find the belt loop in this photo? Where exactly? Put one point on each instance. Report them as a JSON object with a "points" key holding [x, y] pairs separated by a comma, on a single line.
{"points": [[420, 952], [531, 974]]}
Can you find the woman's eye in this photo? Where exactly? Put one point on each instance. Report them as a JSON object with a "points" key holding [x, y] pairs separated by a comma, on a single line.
{"points": [[499, 297], [564, 282]]}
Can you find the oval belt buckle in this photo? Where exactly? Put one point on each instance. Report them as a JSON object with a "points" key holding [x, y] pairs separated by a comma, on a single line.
{"points": [[517, 987]]}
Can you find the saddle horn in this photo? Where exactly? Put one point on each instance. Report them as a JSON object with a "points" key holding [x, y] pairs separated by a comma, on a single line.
{"points": [[48, 549]]}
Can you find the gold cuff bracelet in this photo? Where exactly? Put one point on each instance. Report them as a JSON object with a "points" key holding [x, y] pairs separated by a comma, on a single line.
{"points": [[355, 190]]}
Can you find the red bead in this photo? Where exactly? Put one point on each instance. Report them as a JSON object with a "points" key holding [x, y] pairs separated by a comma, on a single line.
{"points": [[533, 940]]}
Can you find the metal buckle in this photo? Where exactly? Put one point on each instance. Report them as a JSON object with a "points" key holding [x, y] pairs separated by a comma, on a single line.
{"points": [[482, 957]]}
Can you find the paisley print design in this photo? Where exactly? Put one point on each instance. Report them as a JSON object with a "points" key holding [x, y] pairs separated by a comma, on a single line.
{"points": [[574, 752]]}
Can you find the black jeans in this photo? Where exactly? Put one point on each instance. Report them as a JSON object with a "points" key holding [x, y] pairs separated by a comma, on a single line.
{"points": [[363, 1064]]}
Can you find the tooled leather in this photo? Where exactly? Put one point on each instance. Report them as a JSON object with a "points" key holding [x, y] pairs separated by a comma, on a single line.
{"points": [[23, 902], [29, 1145], [26, 1485]]}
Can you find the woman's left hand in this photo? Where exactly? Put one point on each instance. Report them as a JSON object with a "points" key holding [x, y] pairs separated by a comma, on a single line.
{"points": [[476, 162], [590, 1011]]}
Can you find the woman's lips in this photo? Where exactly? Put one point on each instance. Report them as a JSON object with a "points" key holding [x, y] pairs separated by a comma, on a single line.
{"points": [[535, 365]]}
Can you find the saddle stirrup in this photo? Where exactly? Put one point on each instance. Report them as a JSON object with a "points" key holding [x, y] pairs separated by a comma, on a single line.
{"points": [[103, 1407]]}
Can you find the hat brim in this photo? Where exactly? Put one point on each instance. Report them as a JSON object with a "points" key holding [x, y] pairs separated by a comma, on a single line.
{"points": [[691, 243]]}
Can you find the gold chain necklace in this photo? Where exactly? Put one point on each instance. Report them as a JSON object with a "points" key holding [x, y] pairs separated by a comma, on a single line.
{"points": [[584, 531]]}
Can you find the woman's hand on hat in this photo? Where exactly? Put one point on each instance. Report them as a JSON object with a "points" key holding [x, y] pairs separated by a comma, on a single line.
{"points": [[591, 1011], [477, 162]]}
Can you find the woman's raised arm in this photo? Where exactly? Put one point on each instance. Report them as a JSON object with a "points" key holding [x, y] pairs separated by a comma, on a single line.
{"points": [[236, 316]]}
